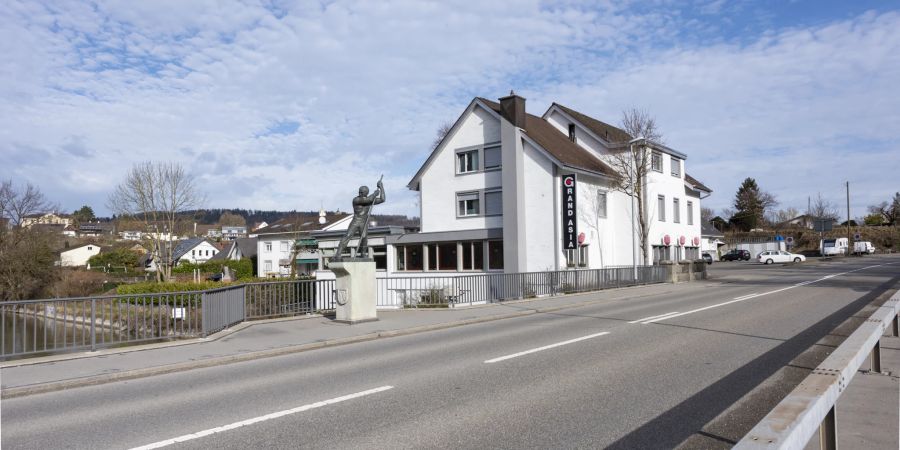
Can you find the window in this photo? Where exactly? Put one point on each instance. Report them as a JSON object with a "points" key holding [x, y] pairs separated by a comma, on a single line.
{"points": [[583, 256], [447, 257], [409, 257], [284, 246], [690, 212], [572, 132], [193, 253], [432, 251], [571, 257], [676, 167], [601, 203], [676, 210], [492, 159], [468, 204], [379, 254], [268, 246], [656, 161], [495, 255], [472, 255], [467, 161], [268, 266], [661, 207], [493, 203]]}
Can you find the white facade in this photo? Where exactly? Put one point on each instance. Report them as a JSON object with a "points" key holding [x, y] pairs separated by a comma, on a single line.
{"points": [[79, 256], [199, 253], [528, 183]]}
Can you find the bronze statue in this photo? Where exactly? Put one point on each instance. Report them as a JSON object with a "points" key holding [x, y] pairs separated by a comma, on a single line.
{"points": [[362, 207]]}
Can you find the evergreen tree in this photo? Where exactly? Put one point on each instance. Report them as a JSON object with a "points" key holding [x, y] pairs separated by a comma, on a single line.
{"points": [[85, 214], [750, 204]]}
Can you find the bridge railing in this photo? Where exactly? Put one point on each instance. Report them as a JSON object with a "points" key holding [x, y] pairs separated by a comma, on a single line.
{"points": [[810, 407]]}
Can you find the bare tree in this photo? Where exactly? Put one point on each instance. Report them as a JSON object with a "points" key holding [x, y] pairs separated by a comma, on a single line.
{"points": [[441, 134], [27, 254], [155, 193], [706, 214], [633, 165], [822, 208], [230, 219]]}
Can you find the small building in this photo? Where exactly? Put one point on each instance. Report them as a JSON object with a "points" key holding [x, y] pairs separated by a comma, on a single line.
{"points": [[95, 229], [287, 242], [711, 239], [131, 235], [230, 233], [237, 249], [47, 219], [195, 250], [78, 256]]}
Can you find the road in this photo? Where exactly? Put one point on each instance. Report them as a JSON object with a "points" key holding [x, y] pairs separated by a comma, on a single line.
{"points": [[641, 372]]}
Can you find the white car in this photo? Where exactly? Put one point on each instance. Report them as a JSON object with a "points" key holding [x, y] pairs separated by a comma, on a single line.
{"points": [[777, 256]]}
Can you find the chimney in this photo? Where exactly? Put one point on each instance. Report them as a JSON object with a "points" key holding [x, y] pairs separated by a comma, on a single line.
{"points": [[512, 108]]}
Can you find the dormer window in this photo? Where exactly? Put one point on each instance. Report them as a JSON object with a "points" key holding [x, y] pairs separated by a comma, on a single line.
{"points": [[676, 167], [467, 161], [572, 132]]}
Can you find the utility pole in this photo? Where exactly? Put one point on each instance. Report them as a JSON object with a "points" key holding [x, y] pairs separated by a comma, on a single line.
{"points": [[849, 247]]}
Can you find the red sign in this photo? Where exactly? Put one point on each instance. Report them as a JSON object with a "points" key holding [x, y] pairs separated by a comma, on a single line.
{"points": [[696, 241], [681, 240], [581, 238], [667, 240]]}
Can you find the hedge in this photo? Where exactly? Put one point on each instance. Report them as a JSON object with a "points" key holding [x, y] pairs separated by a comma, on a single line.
{"points": [[242, 268], [156, 288]]}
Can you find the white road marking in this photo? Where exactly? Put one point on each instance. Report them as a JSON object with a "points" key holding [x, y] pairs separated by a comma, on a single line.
{"points": [[653, 317], [275, 415], [546, 347], [752, 296]]}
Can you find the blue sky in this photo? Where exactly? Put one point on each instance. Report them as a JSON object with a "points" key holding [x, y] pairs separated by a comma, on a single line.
{"points": [[278, 104]]}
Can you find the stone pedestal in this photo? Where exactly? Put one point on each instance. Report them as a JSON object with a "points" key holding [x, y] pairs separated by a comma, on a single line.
{"points": [[355, 290]]}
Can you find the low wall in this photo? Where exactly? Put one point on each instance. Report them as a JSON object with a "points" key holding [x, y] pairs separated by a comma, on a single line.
{"points": [[685, 271]]}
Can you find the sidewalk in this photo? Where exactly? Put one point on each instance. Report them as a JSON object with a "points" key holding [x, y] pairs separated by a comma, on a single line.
{"points": [[261, 339]]}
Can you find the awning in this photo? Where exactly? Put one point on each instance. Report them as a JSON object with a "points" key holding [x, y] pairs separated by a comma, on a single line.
{"points": [[308, 242], [307, 261]]}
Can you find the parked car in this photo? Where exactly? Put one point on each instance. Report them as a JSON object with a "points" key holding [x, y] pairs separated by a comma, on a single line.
{"points": [[737, 255], [707, 257], [779, 256]]}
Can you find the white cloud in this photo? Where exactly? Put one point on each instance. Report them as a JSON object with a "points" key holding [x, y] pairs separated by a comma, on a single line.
{"points": [[88, 89]]}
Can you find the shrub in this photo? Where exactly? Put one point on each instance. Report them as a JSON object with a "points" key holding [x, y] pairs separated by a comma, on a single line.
{"points": [[157, 288], [243, 268]]}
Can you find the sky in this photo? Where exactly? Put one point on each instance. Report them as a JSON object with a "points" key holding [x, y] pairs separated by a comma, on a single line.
{"points": [[291, 105]]}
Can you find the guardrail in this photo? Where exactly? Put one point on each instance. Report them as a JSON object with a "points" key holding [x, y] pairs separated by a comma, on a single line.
{"points": [[32, 327], [498, 287], [810, 407]]}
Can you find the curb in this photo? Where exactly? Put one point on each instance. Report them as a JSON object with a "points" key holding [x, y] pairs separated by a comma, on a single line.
{"points": [[94, 380]]}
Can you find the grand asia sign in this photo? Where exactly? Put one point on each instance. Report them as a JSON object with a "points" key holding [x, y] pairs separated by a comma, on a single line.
{"points": [[569, 219]]}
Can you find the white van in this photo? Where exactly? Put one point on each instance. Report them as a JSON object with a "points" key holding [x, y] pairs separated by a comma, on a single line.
{"points": [[832, 247], [863, 248]]}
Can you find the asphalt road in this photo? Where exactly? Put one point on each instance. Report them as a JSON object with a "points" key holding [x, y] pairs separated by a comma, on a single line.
{"points": [[589, 377]]}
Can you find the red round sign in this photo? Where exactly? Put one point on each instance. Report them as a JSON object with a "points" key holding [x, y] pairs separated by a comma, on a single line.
{"points": [[581, 238], [696, 240], [667, 240], [681, 240]]}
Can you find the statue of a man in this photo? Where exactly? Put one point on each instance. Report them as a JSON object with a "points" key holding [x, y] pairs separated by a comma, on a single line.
{"points": [[359, 225]]}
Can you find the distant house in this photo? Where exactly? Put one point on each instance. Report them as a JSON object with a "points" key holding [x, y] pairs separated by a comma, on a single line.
{"points": [[95, 229], [230, 233], [259, 225], [213, 232], [802, 221], [78, 256], [711, 239], [237, 249], [131, 235], [47, 219], [275, 246], [196, 250]]}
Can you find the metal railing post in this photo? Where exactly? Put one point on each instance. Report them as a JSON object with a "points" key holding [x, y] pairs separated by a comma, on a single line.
{"points": [[828, 431], [896, 326], [93, 324], [876, 357]]}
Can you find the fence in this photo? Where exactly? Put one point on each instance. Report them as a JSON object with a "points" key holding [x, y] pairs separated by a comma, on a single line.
{"points": [[398, 292], [86, 323], [811, 406]]}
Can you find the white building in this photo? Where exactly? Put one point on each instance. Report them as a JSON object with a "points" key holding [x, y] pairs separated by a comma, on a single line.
{"points": [[491, 196], [275, 248], [196, 250], [78, 256], [231, 233]]}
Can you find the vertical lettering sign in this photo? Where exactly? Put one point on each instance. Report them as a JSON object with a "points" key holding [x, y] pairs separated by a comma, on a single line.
{"points": [[569, 219]]}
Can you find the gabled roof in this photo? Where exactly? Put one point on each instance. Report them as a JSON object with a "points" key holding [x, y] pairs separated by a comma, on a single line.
{"points": [[558, 145], [186, 245], [696, 184], [602, 129], [707, 229]]}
